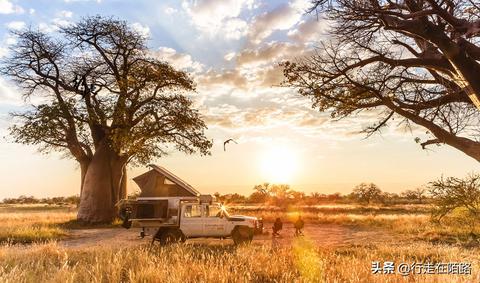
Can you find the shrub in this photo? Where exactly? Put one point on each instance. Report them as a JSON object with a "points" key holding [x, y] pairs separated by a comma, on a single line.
{"points": [[453, 195]]}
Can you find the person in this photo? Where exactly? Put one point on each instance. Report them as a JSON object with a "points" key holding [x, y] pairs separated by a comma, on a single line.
{"points": [[299, 226], [277, 226]]}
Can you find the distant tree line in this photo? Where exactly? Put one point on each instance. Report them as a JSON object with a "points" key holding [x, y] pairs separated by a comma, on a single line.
{"points": [[33, 200], [365, 193]]}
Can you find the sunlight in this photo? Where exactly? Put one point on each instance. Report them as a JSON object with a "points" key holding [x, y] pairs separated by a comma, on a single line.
{"points": [[279, 164]]}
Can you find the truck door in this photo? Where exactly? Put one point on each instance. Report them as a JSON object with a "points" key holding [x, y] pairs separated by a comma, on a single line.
{"points": [[214, 224], [191, 222]]}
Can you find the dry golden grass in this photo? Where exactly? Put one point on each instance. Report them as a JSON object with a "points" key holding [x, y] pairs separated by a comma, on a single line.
{"points": [[39, 223], [302, 262], [411, 225], [28, 227]]}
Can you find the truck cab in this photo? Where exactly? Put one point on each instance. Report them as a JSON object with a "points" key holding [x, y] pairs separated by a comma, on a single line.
{"points": [[213, 220]]}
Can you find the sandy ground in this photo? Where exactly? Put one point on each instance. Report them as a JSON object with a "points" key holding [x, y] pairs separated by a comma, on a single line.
{"points": [[327, 235]]}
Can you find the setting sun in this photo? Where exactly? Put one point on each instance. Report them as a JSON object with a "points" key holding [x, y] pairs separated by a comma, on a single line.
{"points": [[279, 164]]}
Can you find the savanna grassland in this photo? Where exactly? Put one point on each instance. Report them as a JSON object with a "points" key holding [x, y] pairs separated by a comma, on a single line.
{"points": [[35, 248]]}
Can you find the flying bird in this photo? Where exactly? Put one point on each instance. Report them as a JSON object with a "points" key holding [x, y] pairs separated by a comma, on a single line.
{"points": [[227, 141]]}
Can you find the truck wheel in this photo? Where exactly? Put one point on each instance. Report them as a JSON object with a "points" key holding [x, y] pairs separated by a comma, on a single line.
{"points": [[170, 237], [241, 235]]}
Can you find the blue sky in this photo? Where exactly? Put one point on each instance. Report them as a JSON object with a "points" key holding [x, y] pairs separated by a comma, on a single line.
{"points": [[231, 48]]}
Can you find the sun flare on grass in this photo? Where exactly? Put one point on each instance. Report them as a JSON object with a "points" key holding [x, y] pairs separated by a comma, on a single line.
{"points": [[279, 164]]}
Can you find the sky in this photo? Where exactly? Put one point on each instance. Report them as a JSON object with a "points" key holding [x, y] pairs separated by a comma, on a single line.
{"points": [[232, 49]]}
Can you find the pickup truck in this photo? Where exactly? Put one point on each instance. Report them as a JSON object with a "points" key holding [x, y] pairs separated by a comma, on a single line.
{"points": [[175, 220]]}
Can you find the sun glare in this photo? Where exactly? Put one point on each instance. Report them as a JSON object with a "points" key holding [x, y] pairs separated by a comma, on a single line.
{"points": [[278, 165]]}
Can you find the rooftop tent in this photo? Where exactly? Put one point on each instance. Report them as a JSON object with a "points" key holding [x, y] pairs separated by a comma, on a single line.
{"points": [[159, 182]]}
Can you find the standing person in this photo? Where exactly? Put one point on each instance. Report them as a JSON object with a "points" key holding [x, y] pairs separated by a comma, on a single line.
{"points": [[299, 226], [277, 226]]}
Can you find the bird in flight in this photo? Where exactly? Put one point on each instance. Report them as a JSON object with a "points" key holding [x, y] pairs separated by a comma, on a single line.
{"points": [[227, 141]]}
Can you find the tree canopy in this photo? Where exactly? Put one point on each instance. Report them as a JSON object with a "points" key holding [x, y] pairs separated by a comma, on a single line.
{"points": [[418, 60], [98, 79]]}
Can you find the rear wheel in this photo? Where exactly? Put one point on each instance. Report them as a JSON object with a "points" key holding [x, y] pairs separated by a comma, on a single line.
{"points": [[242, 235], [170, 236]]}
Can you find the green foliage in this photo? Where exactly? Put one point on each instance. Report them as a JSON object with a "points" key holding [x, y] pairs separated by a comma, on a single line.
{"points": [[457, 196], [100, 84], [417, 194], [53, 200], [367, 193]]}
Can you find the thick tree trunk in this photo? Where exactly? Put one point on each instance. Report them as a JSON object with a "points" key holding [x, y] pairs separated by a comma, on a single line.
{"points": [[123, 185], [83, 172], [101, 186]]}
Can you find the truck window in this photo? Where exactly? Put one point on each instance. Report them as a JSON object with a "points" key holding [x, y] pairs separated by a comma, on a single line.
{"points": [[193, 211], [212, 211]]}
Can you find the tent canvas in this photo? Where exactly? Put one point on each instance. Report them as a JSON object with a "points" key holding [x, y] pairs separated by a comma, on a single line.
{"points": [[159, 182]]}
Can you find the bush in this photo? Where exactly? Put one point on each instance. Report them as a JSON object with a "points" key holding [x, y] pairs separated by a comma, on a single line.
{"points": [[367, 193], [453, 196]]}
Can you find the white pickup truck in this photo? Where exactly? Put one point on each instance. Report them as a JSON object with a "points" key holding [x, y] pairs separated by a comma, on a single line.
{"points": [[174, 219]]}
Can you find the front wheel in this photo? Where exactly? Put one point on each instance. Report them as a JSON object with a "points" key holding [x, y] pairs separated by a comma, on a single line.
{"points": [[242, 235]]}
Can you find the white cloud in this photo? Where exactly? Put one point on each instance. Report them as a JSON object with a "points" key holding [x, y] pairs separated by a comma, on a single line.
{"points": [[142, 29], [47, 28], [170, 10], [71, 1], [219, 17], [229, 56], [233, 29], [178, 60], [59, 22], [10, 39], [8, 95], [65, 14], [269, 53], [308, 31], [281, 18], [7, 7], [16, 25], [3, 52]]}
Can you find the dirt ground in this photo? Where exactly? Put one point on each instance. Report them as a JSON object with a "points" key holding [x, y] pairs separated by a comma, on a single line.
{"points": [[326, 235]]}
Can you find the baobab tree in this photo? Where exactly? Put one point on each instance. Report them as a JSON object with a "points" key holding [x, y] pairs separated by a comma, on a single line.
{"points": [[106, 102], [418, 60]]}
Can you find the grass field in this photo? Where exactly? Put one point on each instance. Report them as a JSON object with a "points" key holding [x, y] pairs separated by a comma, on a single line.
{"points": [[302, 260]]}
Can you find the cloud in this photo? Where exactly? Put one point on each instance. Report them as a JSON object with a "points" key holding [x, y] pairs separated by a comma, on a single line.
{"points": [[282, 18], [8, 95], [65, 14], [218, 17], [170, 10], [178, 60], [16, 25], [7, 7], [144, 30], [3, 52], [272, 76], [310, 30], [72, 1], [261, 63], [232, 78], [229, 56], [268, 53]]}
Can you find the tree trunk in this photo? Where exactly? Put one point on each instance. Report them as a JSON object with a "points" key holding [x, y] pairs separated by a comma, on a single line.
{"points": [[83, 172], [123, 185], [101, 186]]}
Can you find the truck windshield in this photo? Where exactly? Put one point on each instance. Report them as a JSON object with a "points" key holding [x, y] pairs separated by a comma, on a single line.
{"points": [[216, 211], [224, 211]]}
